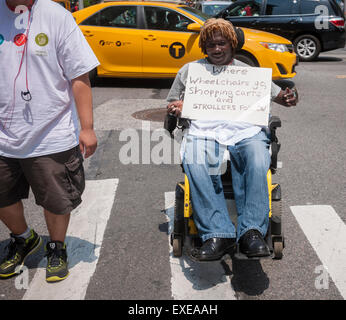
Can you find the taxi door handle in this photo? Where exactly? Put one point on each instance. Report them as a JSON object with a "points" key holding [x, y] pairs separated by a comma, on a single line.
{"points": [[87, 33], [150, 37]]}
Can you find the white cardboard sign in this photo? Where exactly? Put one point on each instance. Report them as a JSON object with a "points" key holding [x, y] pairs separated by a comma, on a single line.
{"points": [[228, 93]]}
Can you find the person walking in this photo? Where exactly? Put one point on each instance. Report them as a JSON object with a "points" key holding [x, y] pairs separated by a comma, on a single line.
{"points": [[44, 91]]}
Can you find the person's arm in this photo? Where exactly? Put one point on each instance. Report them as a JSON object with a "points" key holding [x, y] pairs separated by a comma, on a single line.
{"points": [[82, 94], [175, 95]]}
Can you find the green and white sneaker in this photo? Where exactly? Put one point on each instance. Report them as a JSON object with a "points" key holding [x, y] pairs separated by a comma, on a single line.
{"points": [[57, 269], [18, 250]]}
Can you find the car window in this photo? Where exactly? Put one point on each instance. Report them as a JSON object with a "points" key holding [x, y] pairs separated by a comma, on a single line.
{"points": [[338, 7], [213, 9], [159, 18], [94, 20], [330, 7], [244, 9], [115, 16], [197, 13], [309, 7], [276, 7]]}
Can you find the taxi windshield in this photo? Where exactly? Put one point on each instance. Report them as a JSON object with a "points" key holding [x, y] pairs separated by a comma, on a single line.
{"points": [[197, 13]]}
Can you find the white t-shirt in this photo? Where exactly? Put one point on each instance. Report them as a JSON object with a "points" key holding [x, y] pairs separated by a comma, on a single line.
{"points": [[57, 52], [225, 132]]}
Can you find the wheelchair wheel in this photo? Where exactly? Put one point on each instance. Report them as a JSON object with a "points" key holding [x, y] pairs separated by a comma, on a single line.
{"points": [[278, 247], [178, 228], [277, 236], [177, 247]]}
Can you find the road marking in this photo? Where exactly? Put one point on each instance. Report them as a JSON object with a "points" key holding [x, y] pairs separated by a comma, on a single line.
{"points": [[85, 235], [327, 234], [196, 281]]}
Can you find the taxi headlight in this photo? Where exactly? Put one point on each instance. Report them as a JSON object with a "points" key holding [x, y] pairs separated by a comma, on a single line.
{"points": [[275, 46]]}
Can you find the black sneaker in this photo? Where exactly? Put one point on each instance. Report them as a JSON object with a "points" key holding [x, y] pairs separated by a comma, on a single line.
{"points": [[56, 261], [18, 250]]}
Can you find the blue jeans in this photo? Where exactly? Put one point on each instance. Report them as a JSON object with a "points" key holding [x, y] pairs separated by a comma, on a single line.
{"points": [[250, 162]]}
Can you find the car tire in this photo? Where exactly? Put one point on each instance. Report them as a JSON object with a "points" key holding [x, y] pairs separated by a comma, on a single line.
{"points": [[93, 77], [246, 59], [307, 47]]}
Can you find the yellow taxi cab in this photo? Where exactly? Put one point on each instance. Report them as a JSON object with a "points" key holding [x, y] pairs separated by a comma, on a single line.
{"points": [[65, 3], [155, 39]]}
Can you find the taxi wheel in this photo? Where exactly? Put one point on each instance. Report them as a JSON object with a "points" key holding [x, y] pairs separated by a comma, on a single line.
{"points": [[93, 77], [246, 58], [307, 47]]}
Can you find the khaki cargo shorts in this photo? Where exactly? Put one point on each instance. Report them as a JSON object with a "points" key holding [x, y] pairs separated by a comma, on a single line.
{"points": [[56, 180]]}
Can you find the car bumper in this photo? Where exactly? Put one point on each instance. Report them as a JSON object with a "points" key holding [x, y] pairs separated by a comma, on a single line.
{"points": [[282, 63], [332, 43]]}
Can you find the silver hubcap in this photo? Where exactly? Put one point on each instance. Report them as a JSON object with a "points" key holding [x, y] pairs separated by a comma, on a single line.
{"points": [[306, 48]]}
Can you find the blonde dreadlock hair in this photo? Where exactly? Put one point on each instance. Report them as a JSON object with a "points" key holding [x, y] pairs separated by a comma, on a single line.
{"points": [[217, 25]]}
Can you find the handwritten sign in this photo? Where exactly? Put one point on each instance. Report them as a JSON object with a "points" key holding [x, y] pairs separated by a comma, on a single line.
{"points": [[228, 93]]}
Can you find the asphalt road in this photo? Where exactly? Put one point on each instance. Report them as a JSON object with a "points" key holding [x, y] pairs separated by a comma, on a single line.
{"points": [[134, 260]]}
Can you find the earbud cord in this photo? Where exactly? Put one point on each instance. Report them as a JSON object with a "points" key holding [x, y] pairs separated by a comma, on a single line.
{"points": [[25, 52]]}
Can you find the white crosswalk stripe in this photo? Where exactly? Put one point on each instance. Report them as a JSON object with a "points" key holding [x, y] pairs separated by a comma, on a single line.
{"points": [[196, 281], [85, 235], [327, 234], [323, 228]]}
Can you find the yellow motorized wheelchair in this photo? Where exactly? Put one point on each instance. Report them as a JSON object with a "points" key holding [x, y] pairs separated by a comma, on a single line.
{"points": [[184, 237]]}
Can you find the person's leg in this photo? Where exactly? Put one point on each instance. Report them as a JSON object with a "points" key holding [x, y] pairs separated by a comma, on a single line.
{"points": [[250, 163], [202, 164], [57, 181], [13, 217], [57, 225], [13, 188], [201, 161], [57, 265], [24, 241]]}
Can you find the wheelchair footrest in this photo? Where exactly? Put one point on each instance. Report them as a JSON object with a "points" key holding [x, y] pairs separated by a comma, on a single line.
{"points": [[241, 256]]}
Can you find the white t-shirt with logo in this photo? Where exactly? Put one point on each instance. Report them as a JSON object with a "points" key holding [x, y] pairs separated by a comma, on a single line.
{"points": [[57, 53]]}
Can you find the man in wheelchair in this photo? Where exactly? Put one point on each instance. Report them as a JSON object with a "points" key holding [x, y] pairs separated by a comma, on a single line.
{"points": [[203, 149]]}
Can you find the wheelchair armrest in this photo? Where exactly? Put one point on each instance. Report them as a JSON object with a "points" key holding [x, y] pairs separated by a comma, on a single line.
{"points": [[170, 123], [274, 122]]}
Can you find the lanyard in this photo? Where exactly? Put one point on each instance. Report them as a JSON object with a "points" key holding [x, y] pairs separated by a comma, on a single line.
{"points": [[26, 96]]}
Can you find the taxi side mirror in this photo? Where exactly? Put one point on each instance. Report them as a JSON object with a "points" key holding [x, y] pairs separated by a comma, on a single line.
{"points": [[195, 27]]}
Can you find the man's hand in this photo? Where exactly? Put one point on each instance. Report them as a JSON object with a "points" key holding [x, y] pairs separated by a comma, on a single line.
{"points": [[175, 108], [87, 142], [287, 97]]}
